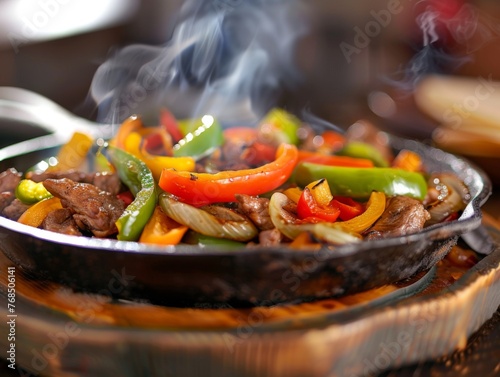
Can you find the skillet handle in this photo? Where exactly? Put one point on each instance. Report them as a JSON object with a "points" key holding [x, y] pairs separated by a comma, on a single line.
{"points": [[21, 105]]}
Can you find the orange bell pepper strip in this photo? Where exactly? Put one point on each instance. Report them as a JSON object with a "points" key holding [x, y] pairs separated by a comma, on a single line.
{"points": [[131, 124], [156, 163], [35, 214], [200, 189], [162, 230], [408, 160], [374, 209], [332, 160], [73, 154]]}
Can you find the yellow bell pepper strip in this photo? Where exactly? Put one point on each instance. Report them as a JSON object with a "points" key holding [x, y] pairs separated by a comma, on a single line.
{"points": [[30, 192], [162, 230], [374, 209], [156, 163], [321, 192], [408, 160], [73, 154], [203, 140], [204, 188], [293, 193], [367, 151], [278, 127], [35, 214], [139, 179], [358, 183]]}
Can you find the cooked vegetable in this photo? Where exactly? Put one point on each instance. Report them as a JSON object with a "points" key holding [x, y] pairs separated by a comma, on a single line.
{"points": [[374, 209], [452, 196], [408, 160], [30, 192], [73, 154], [360, 182], [278, 127], [332, 160], [291, 227], [221, 223], [201, 141], [362, 150], [139, 179], [35, 214], [156, 163], [162, 230], [203, 188]]}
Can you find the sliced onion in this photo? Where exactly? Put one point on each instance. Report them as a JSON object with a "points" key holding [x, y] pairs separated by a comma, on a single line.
{"points": [[226, 224], [453, 197], [285, 222]]}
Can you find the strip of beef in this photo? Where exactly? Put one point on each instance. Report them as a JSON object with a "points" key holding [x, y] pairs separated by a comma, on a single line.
{"points": [[106, 181], [9, 179], [271, 237], [61, 221], [6, 198], [15, 209], [402, 216], [94, 210], [257, 209]]}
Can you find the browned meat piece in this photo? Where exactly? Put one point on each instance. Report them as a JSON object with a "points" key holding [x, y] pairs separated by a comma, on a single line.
{"points": [[270, 237], [74, 175], [402, 216], [6, 198], [109, 182], [15, 209], [61, 221], [95, 210], [257, 209], [9, 179]]}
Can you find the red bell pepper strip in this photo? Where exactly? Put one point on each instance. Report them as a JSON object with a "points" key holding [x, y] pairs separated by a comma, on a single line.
{"points": [[255, 152], [348, 207], [331, 160], [170, 124], [309, 210], [204, 188]]}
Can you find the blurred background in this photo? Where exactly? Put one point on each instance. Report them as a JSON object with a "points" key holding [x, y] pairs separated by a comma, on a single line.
{"points": [[357, 59]]}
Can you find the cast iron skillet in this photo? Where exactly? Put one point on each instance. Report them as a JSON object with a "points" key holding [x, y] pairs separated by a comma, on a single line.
{"points": [[193, 276]]}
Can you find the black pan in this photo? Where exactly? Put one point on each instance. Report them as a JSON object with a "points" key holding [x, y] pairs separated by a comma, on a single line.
{"points": [[199, 276]]}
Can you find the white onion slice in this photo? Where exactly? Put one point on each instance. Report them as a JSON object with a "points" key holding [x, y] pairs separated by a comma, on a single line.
{"points": [[227, 224]]}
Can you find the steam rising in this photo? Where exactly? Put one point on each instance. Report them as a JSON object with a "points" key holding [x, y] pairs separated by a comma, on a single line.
{"points": [[467, 28], [226, 57]]}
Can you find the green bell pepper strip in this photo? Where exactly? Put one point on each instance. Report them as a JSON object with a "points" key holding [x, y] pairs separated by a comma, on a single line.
{"points": [[31, 192], [359, 149], [358, 183], [283, 126], [203, 139], [139, 179], [195, 238]]}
